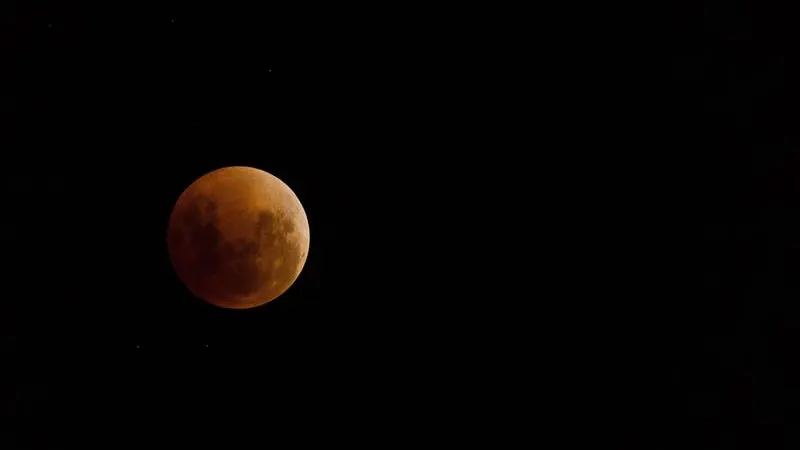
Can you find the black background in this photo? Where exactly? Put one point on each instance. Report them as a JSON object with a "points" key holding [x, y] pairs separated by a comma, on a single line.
{"points": [[110, 110], [733, 342]]}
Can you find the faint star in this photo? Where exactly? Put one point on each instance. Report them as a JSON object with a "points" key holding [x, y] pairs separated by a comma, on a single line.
{"points": [[49, 25]]}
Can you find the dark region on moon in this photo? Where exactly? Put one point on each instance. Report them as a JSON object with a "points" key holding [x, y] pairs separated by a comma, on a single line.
{"points": [[230, 269]]}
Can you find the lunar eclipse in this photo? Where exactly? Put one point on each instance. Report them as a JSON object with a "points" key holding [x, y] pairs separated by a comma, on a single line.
{"points": [[238, 237]]}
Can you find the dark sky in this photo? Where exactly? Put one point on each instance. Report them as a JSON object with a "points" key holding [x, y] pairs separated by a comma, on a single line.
{"points": [[110, 109], [735, 341]]}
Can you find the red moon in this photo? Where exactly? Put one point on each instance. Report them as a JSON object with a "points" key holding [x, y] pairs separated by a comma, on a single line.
{"points": [[238, 237]]}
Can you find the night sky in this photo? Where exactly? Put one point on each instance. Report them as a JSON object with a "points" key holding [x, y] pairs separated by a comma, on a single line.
{"points": [[734, 342], [109, 111]]}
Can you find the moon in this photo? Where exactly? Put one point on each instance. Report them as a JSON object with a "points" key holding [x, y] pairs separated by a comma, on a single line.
{"points": [[238, 237]]}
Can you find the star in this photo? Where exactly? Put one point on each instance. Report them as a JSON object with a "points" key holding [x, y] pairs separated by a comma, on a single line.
{"points": [[49, 25]]}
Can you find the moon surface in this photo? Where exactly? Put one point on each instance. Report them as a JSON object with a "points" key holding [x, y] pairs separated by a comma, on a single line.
{"points": [[238, 237]]}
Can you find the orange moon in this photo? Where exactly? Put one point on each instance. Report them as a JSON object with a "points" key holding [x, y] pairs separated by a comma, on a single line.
{"points": [[238, 237]]}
